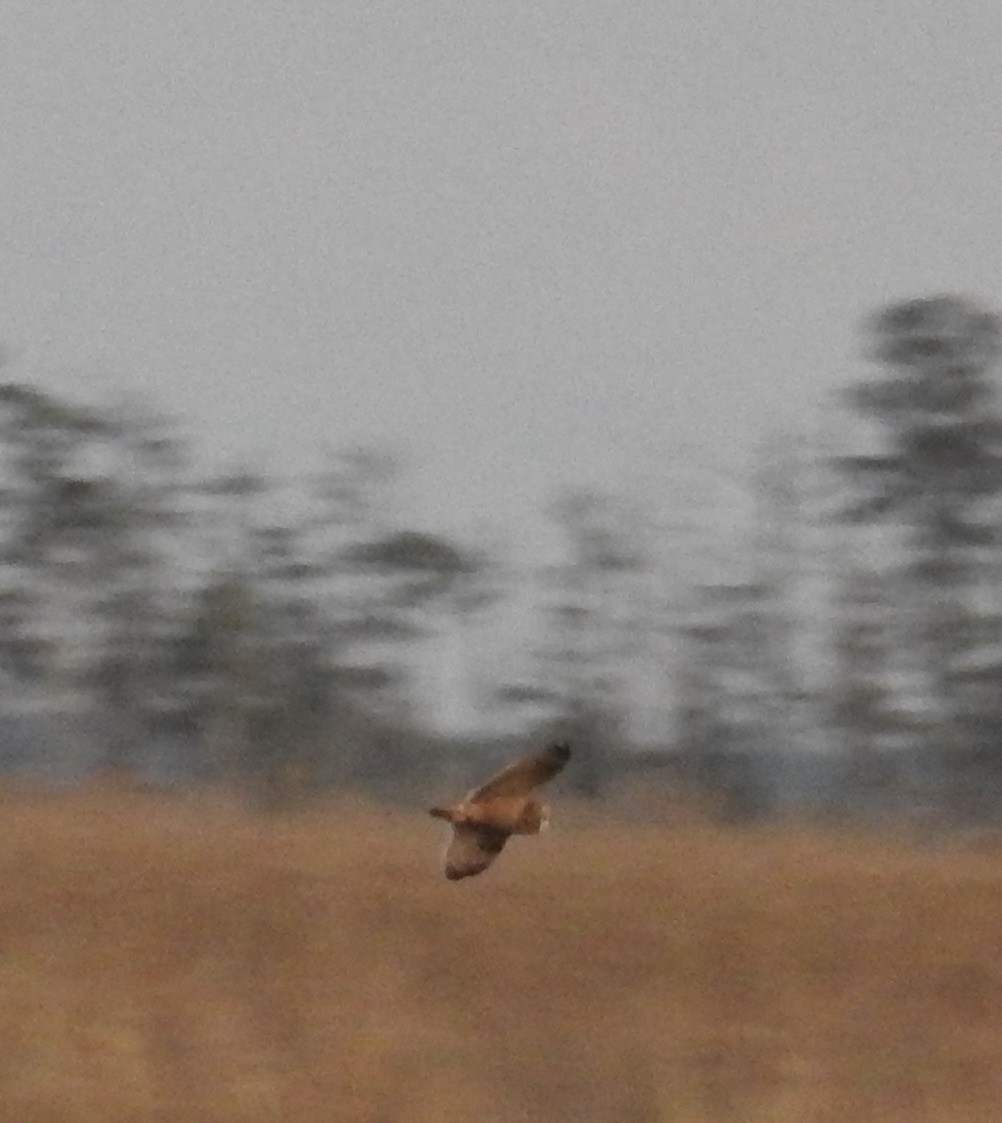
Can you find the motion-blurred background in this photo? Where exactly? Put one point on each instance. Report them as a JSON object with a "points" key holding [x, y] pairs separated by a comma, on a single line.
{"points": [[386, 390]]}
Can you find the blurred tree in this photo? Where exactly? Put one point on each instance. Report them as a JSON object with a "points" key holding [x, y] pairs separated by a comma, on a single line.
{"points": [[598, 624], [701, 727], [777, 559], [724, 689], [353, 501], [40, 440], [144, 491], [255, 661], [862, 705], [939, 473], [410, 578], [292, 654], [89, 498]]}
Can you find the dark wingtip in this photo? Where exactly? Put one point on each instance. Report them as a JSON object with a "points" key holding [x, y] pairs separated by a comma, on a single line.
{"points": [[439, 813], [561, 750], [457, 873]]}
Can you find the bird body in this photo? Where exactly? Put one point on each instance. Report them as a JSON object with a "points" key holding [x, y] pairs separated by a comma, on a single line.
{"points": [[489, 815]]}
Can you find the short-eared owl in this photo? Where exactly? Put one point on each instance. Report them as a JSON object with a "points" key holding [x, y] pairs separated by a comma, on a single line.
{"points": [[489, 815]]}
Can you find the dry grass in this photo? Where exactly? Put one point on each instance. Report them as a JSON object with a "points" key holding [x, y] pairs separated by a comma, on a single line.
{"points": [[183, 961]]}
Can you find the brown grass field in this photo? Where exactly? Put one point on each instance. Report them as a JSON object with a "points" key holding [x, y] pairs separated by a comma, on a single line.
{"points": [[183, 960]]}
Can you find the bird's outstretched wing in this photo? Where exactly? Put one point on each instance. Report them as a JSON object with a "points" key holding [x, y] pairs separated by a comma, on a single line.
{"points": [[520, 777], [472, 849]]}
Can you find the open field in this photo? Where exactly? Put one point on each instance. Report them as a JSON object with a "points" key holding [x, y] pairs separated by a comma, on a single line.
{"points": [[181, 960]]}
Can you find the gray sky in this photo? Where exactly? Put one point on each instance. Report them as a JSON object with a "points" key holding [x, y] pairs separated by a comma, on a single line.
{"points": [[545, 240]]}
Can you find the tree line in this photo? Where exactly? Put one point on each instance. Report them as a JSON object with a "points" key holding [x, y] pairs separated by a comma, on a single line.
{"points": [[267, 632]]}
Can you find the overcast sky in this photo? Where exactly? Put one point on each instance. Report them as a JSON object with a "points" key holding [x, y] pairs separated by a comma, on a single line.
{"points": [[546, 241]]}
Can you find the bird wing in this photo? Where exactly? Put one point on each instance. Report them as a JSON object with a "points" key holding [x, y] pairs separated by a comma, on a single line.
{"points": [[520, 777], [472, 849]]}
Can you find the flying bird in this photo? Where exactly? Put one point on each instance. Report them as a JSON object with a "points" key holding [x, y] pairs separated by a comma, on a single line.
{"points": [[489, 815]]}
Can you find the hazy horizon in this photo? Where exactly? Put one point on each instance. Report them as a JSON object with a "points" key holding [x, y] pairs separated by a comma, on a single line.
{"points": [[535, 245]]}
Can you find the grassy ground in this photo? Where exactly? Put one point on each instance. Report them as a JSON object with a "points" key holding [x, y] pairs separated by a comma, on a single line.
{"points": [[180, 960]]}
